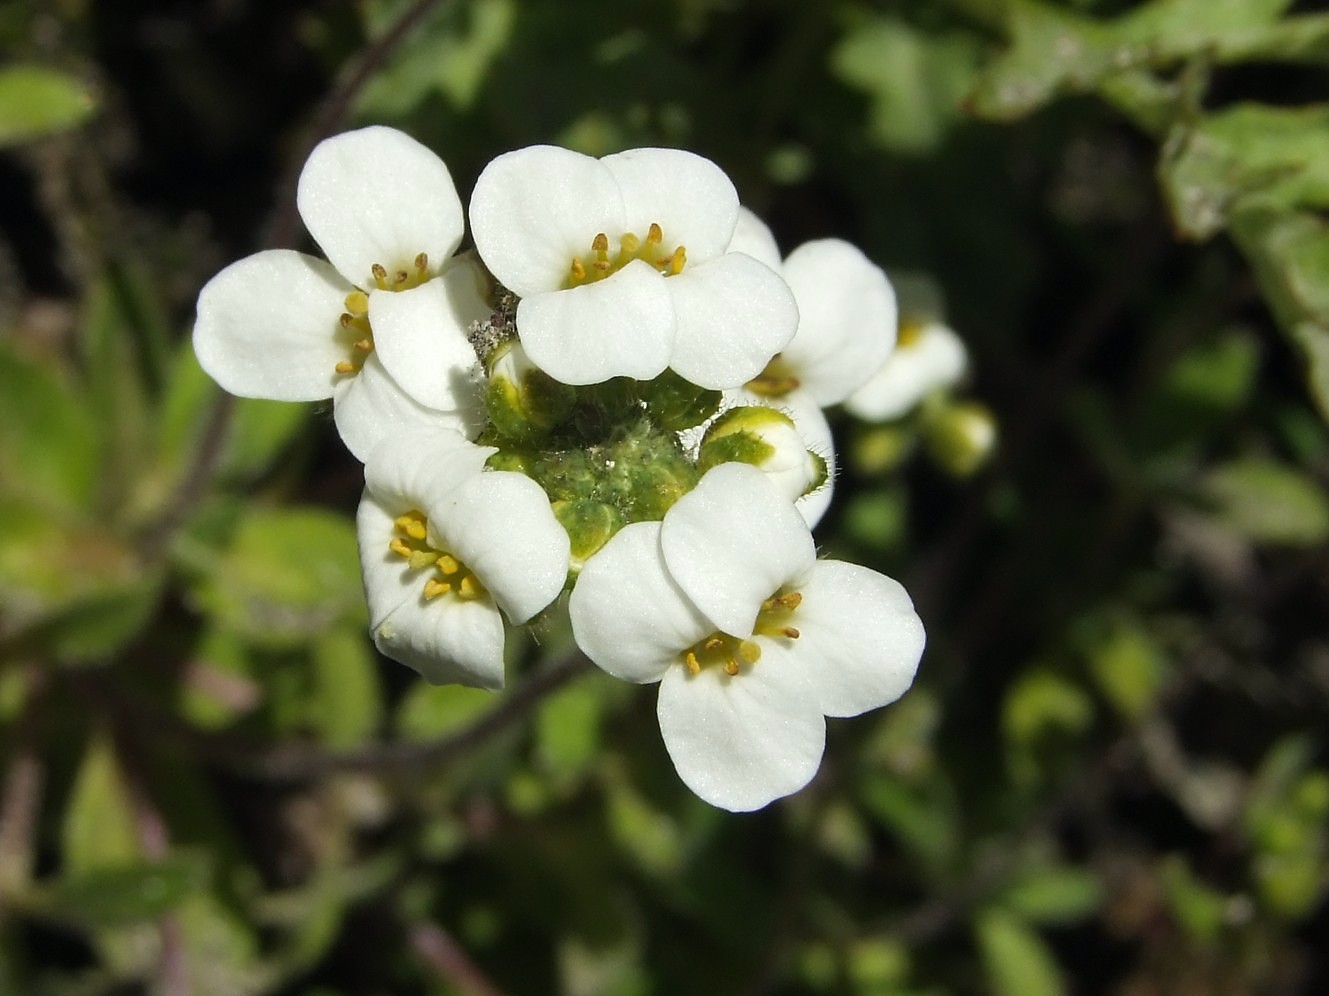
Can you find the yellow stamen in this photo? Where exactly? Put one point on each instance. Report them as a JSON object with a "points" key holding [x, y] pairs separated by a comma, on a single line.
{"points": [[344, 368], [714, 643], [412, 524], [578, 270], [434, 588], [731, 667], [654, 234], [380, 275], [694, 665], [448, 564], [470, 587], [909, 334], [749, 651], [357, 302], [678, 260], [364, 346], [600, 244], [422, 264], [790, 632], [629, 243], [399, 547]]}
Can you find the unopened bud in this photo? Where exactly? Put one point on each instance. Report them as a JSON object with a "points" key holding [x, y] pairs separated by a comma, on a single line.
{"points": [[769, 440], [523, 402], [677, 404], [960, 436], [589, 525]]}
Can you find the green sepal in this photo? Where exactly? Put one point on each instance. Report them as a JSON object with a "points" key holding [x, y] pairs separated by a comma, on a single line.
{"points": [[589, 525], [676, 404]]}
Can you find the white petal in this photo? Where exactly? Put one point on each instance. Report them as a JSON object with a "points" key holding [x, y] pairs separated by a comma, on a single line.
{"points": [[500, 524], [628, 615], [859, 637], [420, 337], [409, 470], [690, 197], [732, 542], [622, 326], [369, 406], [378, 196], [444, 639], [741, 742], [268, 327], [937, 360], [535, 209], [847, 318], [753, 237], [734, 314]]}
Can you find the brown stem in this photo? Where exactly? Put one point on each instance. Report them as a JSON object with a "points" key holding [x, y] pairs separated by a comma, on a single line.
{"points": [[21, 796], [437, 949]]}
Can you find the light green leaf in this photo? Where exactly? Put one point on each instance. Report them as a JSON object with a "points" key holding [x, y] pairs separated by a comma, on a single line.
{"points": [[1016, 959], [923, 818], [1200, 909], [1128, 665], [1314, 341], [346, 705], [431, 711], [37, 101], [288, 576], [1054, 895], [99, 825], [114, 896], [1268, 502], [1041, 701], [568, 728]]}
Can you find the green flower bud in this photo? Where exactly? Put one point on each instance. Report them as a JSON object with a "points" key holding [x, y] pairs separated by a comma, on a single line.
{"points": [[959, 436], [879, 449], [676, 404], [589, 525], [767, 439], [523, 402]]}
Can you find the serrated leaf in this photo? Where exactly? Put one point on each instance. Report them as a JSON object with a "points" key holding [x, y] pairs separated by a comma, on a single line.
{"points": [[37, 101], [1268, 502], [1017, 961], [124, 894], [98, 831], [288, 576]]}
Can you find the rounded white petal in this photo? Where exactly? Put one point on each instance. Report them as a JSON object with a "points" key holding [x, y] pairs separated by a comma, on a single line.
{"points": [[691, 198], [447, 640], [409, 470], [535, 209], [816, 432], [753, 237], [369, 406], [734, 314], [628, 615], [500, 524], [742, 742], [732, 542], [859, 637], [376, 195], [938, 359], [268, 327], [847, 319], [622, 326], [420, 337]]}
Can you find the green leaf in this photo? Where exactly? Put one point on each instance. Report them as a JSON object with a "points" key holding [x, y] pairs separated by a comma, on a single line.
{"points": [[923, 818], [1313, 339], [346, 705], [1017, 961], [1247, 156], [916, 82], [288, 576], [431, 711], [114, 896], [1268, 502], [1054, 895], [1200, 909], [36, 101], [568, 728], [99, 824], [1128, 666], [1041, 701]]}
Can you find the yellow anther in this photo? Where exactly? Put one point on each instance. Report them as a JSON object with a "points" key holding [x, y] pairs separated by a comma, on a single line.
{"points": [[694, 665], [448, 564], [749, 652], [714, 643], [731, 667], [364, 345], [346, 320], [578, 271], [401, 277], [412, 524], [470, 587], [422, 558], [654, 234], [399, 547], [600, 244], [434, 588], [909, 334], [629, 243], [380, 275], [602, 265], [678, 260], [792, 600], [357, 302], [790, 632], [422, 263], [344, 368]]}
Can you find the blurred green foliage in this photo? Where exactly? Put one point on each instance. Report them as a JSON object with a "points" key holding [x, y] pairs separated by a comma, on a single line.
{"points": [[1111, 776]]}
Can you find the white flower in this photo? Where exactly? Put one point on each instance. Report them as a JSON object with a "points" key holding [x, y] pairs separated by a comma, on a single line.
{"points": [[287, 326], [585, 243], [753, 640], [930, 357], [445, 546]]}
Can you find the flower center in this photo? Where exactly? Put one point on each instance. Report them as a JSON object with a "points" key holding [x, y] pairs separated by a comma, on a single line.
{"points": [[449, 576], [355, 319], [601, 263], [773, 382], [909, 334], [730, 653]]}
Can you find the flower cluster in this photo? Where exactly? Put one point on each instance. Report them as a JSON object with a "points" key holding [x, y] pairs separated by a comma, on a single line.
{"points": [[617, 393]]}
